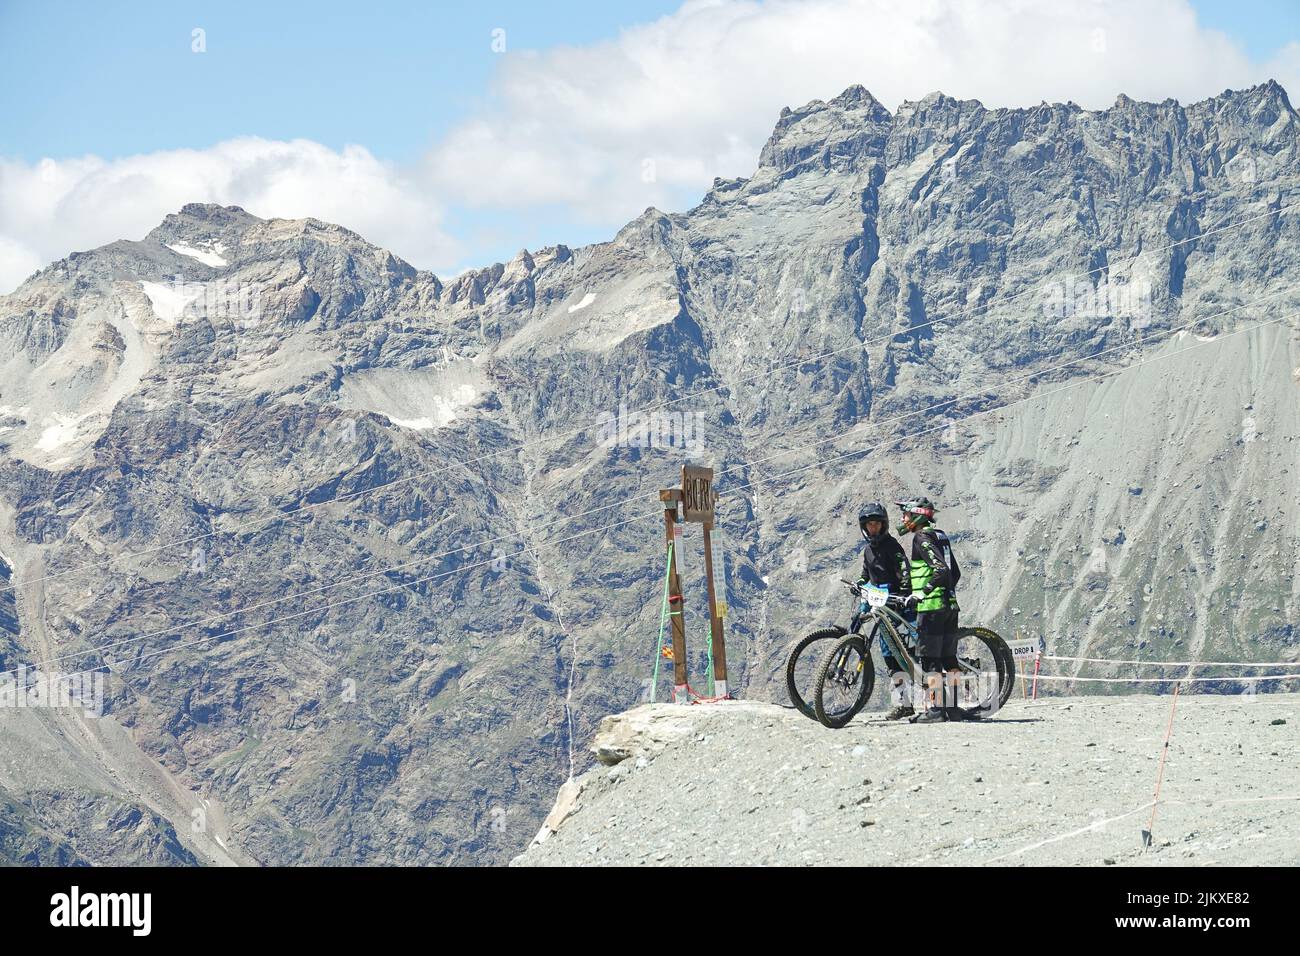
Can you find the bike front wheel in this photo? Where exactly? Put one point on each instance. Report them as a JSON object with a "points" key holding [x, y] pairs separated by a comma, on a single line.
{"points": [[845, 682], [804, 664]]}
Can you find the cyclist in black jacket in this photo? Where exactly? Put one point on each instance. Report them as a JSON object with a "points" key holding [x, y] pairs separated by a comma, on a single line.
{"points": [[885, 564]]}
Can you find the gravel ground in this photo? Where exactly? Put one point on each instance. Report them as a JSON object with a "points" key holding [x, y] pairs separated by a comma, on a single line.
{"points": [[1059, 782]]}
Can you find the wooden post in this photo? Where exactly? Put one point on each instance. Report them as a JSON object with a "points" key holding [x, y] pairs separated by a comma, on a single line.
{"points": [[715, 621], [681, 694], [696, 499], [1020, 662]]}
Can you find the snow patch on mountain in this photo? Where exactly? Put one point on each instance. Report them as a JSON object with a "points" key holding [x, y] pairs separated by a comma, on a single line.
{"points": [[167, 301], [208, 258], [587, 299], [59, 434], [418, 399], [418, 424]]}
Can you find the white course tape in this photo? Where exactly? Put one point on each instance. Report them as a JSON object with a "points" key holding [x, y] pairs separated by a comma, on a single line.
{"points": [[1102, 824], [1094, 825], [1155, 680], [1113, 660]]}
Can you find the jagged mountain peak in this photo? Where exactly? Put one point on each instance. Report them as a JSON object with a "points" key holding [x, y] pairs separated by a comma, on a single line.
{"points": [[857, 100], [204, 240], [651, 227], [856, 97], [845, 124], [1250, 103], [210, 215], [1270, 91], [936, 98]]}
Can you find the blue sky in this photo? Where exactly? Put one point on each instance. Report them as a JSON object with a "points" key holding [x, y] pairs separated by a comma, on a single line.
{"points": [[1262, 26], [386, 75], [117, 78], [592, 112]]}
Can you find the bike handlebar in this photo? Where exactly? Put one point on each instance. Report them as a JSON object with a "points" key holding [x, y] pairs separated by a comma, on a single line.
{"points": [[894, 599]]}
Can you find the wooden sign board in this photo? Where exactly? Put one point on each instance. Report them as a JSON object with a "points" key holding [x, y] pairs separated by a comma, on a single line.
{"points": [[698, 496]]}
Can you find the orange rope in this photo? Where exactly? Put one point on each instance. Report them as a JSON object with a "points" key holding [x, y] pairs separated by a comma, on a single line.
{"points": [[1160, 776]]}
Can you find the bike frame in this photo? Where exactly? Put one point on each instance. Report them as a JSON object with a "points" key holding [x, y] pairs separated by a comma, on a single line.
{"points": [[890, 621], [873, 604]]}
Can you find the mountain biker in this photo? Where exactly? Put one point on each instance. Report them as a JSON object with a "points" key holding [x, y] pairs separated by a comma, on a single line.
{"points": [[885, 564], [934, 577]]}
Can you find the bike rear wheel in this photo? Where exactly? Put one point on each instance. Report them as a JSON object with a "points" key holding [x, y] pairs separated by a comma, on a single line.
{"points": [[845, 682], [989, 667], [804, 664]]}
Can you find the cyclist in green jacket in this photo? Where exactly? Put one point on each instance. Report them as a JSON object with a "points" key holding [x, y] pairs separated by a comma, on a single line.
{"points": [[934, 574]]}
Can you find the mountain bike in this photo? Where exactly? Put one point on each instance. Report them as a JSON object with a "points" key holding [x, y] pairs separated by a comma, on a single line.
{"points": [[847, 675], [803, 666]]}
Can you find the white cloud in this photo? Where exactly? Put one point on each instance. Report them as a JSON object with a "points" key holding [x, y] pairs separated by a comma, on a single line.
{"points": [[697, 92], [54, 207], [593, 135], [17, 262]]}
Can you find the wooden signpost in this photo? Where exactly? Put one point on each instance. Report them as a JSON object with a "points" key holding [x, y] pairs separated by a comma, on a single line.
{"points": [[696, 500]]}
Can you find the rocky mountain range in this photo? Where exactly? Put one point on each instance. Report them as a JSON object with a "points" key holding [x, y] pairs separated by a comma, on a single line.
{"points": [[364, 555]]}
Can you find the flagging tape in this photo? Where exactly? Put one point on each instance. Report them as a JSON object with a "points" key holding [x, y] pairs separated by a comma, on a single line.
{"points": [[1159, 680], [1116, 660]]}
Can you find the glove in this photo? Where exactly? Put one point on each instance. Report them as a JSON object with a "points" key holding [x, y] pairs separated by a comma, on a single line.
{"points": [[910, 599]]}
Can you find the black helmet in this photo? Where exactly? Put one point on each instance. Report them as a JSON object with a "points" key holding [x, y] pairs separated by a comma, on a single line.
{"points": [[873, 511], [918, 511]]}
